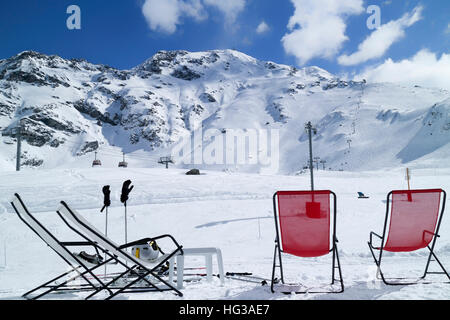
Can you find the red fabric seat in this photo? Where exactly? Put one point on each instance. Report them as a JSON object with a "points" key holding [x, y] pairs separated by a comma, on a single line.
{"points": [[414, 218], [304, 222], [414, 215], [303, 227]]}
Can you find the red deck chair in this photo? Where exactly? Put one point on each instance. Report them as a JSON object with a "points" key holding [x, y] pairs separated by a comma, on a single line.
{"points": [[303, 222], [415, 218]]}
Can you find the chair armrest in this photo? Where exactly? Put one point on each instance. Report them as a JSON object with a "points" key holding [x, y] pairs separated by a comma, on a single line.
{"points": [[77, 243], [135, 243], [371, 239], [431, 233], [146, 240], [335, 242], [171, 238]]}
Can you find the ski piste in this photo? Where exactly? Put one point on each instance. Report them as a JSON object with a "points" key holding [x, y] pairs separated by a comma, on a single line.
{"points": [[66, 124]]}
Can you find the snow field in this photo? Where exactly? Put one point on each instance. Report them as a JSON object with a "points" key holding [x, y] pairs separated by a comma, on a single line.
{"points": [[231, 211]]}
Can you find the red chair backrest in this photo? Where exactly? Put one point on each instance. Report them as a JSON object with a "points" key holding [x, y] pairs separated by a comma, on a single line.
{"points": [[304, 221], [414, 215]]}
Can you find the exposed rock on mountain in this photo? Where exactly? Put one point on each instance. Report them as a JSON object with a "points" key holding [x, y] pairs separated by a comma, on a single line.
{"points": [[71, 108]]}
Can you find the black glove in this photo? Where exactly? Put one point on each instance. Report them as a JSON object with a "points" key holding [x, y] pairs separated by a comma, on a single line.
{"points": [[107, 199], [126, 189]]}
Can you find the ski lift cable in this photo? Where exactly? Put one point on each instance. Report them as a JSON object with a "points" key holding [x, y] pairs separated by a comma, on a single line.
{"points": [[117, 152], [129, 156], [78, 142], [113, 152], [108, 150], [120, 153]]}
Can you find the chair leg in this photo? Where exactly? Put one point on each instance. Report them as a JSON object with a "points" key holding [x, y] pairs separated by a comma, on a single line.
{"points": [[141, 277], [171, 269], [334, 267], [131, 270], [208, 260], [82, 275], [378, 263], [220, 265], [432, 254], [386, 282], [341, 279], [180, 271], [127, 270], [276, 252], [25, 295]]}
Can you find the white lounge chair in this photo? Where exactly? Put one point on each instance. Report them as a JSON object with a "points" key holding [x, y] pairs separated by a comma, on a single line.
{"points": [[79, 266], [119, 253]]}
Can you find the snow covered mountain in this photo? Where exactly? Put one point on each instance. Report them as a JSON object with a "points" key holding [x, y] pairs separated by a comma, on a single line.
{"points": [[71, 108]]}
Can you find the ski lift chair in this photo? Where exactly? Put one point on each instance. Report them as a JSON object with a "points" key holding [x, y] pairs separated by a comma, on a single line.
{"points": [[143, 272], [305, 227], [123, 164], [414, 218], [96, 163], [79, 266]]}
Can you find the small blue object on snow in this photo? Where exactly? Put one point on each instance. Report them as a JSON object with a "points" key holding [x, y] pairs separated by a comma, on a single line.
{"points": [[362, 196]]}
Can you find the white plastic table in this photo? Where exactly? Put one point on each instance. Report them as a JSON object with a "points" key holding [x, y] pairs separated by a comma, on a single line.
{"points": [[207, 253]]}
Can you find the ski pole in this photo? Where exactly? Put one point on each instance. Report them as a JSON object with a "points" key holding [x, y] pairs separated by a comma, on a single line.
{"points": [[248, 279], [126, 189], [106, 231], [126, 225], [106, 203], [106, 223]]}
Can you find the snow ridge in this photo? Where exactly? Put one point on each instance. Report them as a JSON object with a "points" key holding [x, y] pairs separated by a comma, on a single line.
{"points": [[71, 108]]}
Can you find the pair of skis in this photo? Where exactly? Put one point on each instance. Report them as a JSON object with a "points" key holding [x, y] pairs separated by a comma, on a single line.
{"points": [[238, 276], [248, 277]]}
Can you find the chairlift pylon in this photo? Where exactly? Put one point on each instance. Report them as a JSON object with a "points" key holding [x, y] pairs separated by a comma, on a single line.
{"points": [[166, 161]]}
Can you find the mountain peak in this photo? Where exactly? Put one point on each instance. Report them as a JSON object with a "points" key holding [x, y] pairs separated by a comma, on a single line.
{"points": [[71, 107]]}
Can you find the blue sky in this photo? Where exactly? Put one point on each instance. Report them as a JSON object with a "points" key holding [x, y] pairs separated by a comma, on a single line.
{"points": [[326, 33]]}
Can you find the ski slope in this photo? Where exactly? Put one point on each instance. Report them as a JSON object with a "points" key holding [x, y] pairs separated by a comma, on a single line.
{"points": [[231, 211], [71, 108]]}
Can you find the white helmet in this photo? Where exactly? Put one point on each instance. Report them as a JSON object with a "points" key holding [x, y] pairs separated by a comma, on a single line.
{"points": [[148, 251]]}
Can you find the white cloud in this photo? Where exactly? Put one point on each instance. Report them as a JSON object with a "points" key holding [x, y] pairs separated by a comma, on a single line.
{"points": [[263, 27], [165, 15], [447, 31], [379, 41], [425, 69], [193, 9], [317, 28], [162, 15], [230, 8]]}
